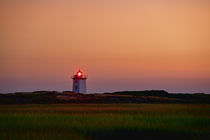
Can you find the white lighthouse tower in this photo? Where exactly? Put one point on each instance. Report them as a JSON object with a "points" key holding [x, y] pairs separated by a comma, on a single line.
{"points": [[79, 82]]}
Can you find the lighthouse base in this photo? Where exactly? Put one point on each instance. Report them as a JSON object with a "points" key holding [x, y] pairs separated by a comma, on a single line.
{"points": [[79, 86]]}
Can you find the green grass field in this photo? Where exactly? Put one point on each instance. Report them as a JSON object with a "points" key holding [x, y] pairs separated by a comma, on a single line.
{"points": [[104, 121]]}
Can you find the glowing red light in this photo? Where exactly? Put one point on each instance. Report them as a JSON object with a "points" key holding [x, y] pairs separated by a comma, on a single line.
{"points": [[79, 74]]}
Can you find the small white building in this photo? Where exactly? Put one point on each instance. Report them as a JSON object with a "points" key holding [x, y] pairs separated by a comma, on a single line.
{"points": [[79, 82]]}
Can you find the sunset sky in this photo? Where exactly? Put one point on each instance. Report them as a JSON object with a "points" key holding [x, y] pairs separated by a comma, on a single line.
{"points": [[119, 44]]}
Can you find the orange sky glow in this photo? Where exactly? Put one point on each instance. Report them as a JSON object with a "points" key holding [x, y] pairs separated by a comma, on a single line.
{"points": [[121, 45]]}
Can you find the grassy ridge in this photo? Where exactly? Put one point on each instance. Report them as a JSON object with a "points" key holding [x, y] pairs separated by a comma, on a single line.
{"points": [[152, 96], [183, 97], [105, 121]]}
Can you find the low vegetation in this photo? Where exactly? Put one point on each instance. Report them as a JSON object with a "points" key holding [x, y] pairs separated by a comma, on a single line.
{"points": [[104, 121]]}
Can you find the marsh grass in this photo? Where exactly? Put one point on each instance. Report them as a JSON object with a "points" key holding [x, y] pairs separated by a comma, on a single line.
{"points": [[108, 121]]}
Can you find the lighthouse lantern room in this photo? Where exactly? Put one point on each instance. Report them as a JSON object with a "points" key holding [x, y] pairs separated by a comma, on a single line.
{"points": [[79, 82]]}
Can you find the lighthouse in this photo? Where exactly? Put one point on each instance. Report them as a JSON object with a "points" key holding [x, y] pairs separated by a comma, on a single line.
{"points": [[79, 82]]}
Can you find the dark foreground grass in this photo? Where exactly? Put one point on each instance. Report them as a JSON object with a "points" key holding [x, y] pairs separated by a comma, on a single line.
{"points": [[111, 121]]}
